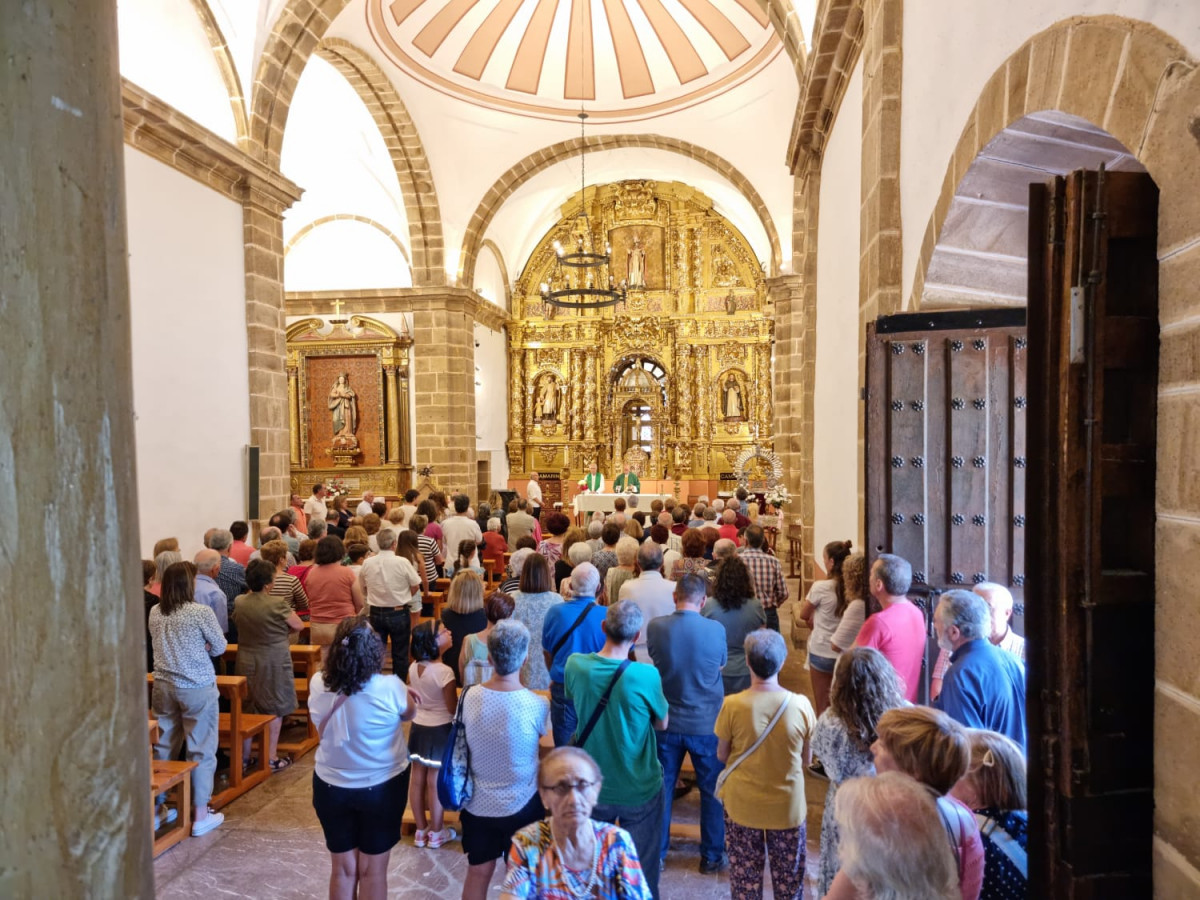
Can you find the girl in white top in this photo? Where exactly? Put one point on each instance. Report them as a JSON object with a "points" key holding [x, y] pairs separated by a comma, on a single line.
{"points": [[854, 591], [822, 610], [432, 682]]}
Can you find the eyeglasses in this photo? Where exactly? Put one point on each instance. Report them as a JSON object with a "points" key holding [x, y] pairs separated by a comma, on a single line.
{"points": [[565, 787]]}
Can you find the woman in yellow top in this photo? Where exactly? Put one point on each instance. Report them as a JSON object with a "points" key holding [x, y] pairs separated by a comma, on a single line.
{"points": [[763, 738]]}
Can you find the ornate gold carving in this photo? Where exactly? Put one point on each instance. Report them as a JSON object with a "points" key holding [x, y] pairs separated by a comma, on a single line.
{"points": [[547, 454], [635, 200], [731, 354]]}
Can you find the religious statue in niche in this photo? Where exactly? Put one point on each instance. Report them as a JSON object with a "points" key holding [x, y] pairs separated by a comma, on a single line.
{"points": [[635, 264], [733, 405], [546, 399], [343, 405]]}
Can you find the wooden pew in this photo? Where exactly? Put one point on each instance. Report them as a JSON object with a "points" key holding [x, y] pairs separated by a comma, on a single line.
{"points": [[169, 777], [306, 662], [234, 727]]}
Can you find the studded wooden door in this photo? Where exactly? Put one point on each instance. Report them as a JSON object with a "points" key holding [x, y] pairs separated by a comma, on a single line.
{"points": [[1093, 348], [945, 454]]}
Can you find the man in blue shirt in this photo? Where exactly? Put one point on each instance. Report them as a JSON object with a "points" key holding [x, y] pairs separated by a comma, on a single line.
{"points": [[985, 687], [689, 652], [572, 627]]}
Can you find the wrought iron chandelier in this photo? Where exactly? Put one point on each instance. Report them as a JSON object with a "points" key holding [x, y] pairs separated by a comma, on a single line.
{"points": [[582, 278]]}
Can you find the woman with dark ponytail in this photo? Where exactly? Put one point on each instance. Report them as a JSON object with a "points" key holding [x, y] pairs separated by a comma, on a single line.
{"points": [[360, 779], [822, 610]]}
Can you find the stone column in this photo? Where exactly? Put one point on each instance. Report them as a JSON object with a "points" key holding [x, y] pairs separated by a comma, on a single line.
{"points": [[795, 299], [75, 791], [263, 206], [444, 353]]}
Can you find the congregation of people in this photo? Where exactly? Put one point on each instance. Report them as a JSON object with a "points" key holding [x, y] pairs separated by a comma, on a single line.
{"points": [[638, 641]]}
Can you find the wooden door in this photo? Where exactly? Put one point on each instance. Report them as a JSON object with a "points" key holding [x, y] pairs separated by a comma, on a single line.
{"points": [[1093, 337], [945, 455]]}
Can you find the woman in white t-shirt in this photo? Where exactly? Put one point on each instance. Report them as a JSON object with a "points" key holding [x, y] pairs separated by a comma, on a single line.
{"points": [[432, 681], [504, 722], [360, 779], [822, 610]]}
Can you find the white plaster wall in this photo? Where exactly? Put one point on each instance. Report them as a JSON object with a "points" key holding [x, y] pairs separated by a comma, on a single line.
{"points": [[191, 391], [836, 406], [345, 255], [491, 400], [332, 148], [164, 49], [489, 278], [951, 49]]}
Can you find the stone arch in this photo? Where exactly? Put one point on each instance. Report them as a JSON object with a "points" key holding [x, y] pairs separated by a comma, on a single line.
{"points": [[345, 217], [229, 73], [1114, 72], [542, 159], [407, 152]]}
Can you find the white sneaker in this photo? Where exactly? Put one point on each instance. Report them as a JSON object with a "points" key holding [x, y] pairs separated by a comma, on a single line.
{"points": [[165, 815], [207, 824]]}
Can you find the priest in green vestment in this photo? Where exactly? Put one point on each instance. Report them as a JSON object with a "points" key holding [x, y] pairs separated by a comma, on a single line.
{"points": [[627, 482], [593, 482]]}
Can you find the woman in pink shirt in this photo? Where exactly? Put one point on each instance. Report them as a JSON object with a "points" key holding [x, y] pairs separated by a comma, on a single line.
{"points": [[333, 592]]}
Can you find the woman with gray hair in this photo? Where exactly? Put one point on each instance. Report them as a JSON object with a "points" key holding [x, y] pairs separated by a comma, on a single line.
{"points": [[892, 844], [770, 728], [617, 575], [512, 582], [580, 552], [504, 723]]}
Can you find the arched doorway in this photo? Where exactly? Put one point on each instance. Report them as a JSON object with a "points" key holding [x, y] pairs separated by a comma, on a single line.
{"points": [[1057, 214]]}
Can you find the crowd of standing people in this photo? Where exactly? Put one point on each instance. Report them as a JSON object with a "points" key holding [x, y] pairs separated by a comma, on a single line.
{"points": [[646, 638]]}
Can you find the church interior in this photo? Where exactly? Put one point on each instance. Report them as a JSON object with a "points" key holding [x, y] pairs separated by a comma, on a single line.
{"points": [[920, 275]]}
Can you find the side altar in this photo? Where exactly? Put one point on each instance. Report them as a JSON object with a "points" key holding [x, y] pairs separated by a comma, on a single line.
{"points": [[348, 403]]}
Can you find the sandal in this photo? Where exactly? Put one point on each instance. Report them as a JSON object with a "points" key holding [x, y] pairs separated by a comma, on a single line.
{"points": [[249, 763], [281, 763]]}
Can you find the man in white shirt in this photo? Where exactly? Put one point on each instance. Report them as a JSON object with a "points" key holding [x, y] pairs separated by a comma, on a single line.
{"points": [[533, 493], [460, 527], [364, 508], [391, 586], [314, 507], [650, 592]]}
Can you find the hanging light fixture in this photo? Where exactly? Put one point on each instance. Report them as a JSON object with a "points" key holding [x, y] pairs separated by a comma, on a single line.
{"points": [[582, 278]]}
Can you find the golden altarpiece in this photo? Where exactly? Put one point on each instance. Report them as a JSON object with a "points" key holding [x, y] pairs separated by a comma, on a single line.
{"points": [[348, 403], [677, 380]]}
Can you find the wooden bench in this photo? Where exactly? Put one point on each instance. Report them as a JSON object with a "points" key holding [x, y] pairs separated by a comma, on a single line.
{"points": [[173, 778], [235, 727], [306, 662]]}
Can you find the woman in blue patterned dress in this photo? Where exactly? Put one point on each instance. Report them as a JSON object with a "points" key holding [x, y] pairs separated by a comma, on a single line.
{"points": [[994, 787]]}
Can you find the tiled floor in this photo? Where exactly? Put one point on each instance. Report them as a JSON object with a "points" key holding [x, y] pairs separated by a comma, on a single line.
{"points": [[271, 846]]}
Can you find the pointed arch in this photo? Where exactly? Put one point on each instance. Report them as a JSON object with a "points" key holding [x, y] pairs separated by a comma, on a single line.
{"points": [[539, 160], [408, 155]]}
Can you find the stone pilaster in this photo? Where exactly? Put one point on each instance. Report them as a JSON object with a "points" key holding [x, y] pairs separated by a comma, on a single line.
{"points": [[75, 790], [444, 368], [263, 206]]}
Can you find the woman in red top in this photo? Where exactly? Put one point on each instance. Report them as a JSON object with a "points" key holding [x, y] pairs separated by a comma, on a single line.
{"points": [[333, 592]]}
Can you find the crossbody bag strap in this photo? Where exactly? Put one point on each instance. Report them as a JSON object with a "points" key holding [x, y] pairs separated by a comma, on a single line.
{"points": [[1003, 841], [599, 711], [563, 640], [337, 704], [762, 737]]}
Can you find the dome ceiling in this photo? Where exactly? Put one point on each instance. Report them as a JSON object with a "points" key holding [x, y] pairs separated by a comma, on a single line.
{"points": [[622, 59]]}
